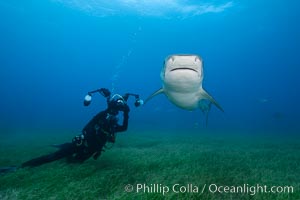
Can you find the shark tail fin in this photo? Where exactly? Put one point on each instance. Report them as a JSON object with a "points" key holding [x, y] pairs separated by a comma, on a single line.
{"points": [[205, 95], [206, 114], [161, 90], [205, 106]]}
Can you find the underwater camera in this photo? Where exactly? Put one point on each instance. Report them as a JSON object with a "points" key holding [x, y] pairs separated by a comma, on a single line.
{"points": [[138, 102], [119, 99]]}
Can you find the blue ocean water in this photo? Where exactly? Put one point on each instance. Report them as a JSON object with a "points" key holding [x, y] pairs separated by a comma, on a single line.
{"points": [[52, 52]]}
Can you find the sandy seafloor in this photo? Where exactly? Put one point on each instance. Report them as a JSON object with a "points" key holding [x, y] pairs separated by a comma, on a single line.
{"points": [[155, 158]]}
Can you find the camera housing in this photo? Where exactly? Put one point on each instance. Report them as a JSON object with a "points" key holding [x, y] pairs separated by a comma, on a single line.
{"points": [[138, 102]]}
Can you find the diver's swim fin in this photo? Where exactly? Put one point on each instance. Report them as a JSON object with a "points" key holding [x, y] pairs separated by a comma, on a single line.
{"points": [[60, 146], [5, 170], [56, 145]]}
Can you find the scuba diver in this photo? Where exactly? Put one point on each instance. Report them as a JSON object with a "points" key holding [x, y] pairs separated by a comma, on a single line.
{"points": [[97, 132]]}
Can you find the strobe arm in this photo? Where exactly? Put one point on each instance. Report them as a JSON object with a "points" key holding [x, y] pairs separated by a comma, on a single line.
{"points": [[107, 94], [103, 91]]}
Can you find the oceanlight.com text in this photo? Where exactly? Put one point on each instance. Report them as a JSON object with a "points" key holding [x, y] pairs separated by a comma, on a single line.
{"points": [[250, 189], [211, 188]]}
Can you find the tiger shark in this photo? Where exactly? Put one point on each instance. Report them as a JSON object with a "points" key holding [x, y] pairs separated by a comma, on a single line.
{"points": [[182, 77]]}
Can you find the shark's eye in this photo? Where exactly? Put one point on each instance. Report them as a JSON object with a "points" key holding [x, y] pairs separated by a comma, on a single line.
{"points": [[197, 59]]}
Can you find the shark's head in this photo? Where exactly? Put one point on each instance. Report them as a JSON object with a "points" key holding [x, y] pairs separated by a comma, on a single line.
{"points": [[180, 66], [182, 77]]}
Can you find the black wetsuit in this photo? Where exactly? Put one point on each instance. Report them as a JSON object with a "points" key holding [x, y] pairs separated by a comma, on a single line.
{"points": [[95, 134]]}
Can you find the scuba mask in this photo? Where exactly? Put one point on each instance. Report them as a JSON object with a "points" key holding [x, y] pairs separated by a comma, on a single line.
{"points": [[116, 103]]}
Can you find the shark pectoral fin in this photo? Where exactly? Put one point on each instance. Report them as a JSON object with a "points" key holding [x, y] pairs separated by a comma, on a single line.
{"points": [[205, 95], [161, 90]]}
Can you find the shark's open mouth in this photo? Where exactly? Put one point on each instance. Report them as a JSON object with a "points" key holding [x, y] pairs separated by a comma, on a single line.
{"points": [[184, 68]]}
